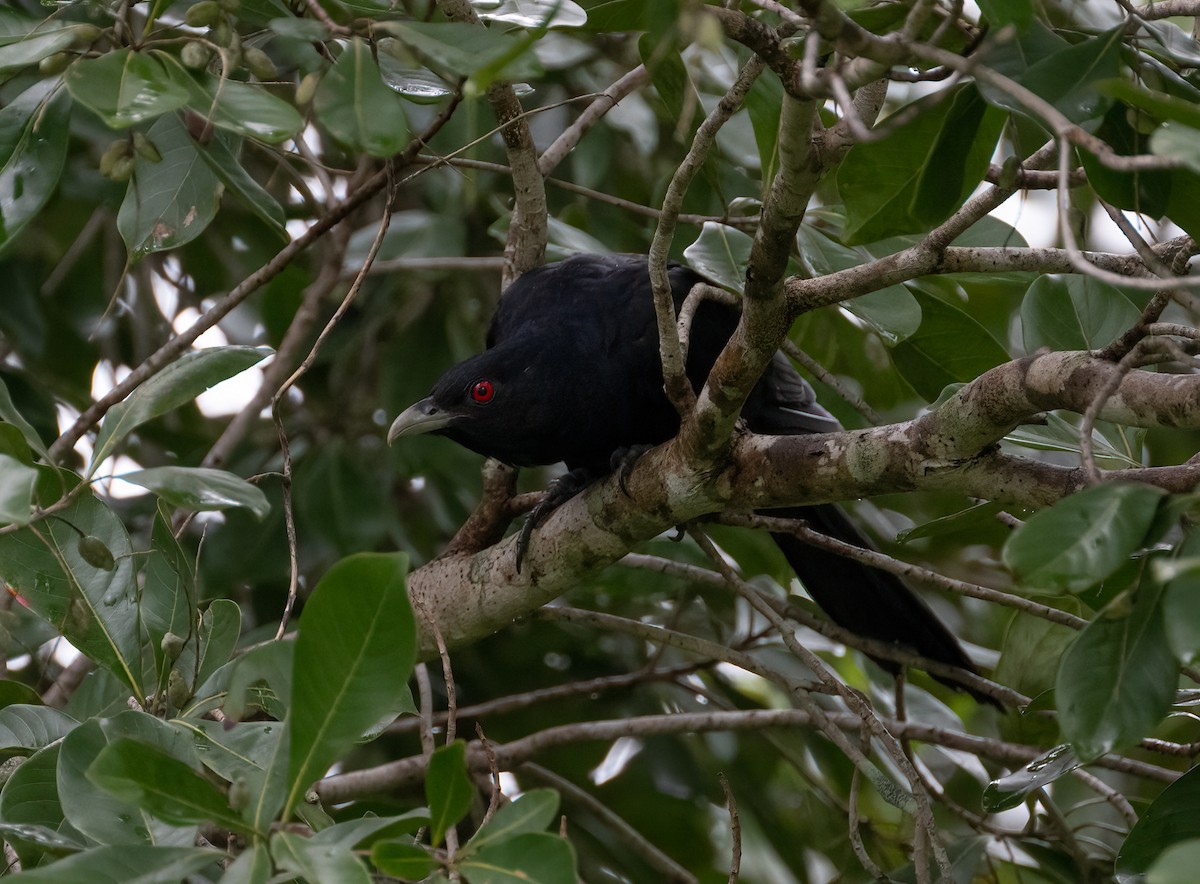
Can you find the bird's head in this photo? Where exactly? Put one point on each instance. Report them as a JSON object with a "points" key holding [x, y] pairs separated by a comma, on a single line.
{"points": [[487, 403]]}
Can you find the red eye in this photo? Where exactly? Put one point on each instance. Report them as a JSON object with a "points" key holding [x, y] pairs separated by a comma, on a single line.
{"points": [[482, 391]]}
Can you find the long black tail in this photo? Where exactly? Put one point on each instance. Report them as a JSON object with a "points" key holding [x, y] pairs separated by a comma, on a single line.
{"points": [[868, 602]]}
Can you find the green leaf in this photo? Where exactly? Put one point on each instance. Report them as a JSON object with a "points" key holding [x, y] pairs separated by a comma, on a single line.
{"points": [[221, 154], [1177, 865], [17, 482], [181, 381], [1181, 600], [886, 185], [353, 103], [1068, 78], [125, 87], [13, 693], [1083, 538], [364, 831], [948, 347], [535, 13], [531, 812], [217, 636], [1059, 434], [142, 775], [533, 858], [1177, 141], [128, 864], [957, 159], [9, 414], [1173, 818], [764, 104], [243, 108], [967, 521], [892, 312], [1074, 313], [356, 648], [26, 728], [31, 798], [199, 488], [33, 48], [720, 254], [1007, 12], [448, 789], [98, 813], [168, 601], [1009, 791], [92, 606], [418, 85], [253, 866], [403, 859], [1117, 680], [169, 202], [34, 129], [1033, 648], [317, 862], [460, 49]]}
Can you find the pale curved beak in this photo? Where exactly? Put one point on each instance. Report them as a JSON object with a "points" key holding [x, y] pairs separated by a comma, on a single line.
{"points": [[423, 417]]}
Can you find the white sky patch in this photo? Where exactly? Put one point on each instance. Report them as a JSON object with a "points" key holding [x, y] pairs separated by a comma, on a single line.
{"points": [[1034, 216], [623, 751], [509, 785]]}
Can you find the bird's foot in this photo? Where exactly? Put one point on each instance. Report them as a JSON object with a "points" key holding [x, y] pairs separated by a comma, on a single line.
{"points": [[623, 461], [557, 493]]}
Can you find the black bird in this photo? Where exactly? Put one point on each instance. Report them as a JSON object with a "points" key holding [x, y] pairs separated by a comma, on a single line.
{"points": [[572, 373]]}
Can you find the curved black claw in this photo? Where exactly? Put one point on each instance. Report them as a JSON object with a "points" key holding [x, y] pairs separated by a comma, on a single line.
{"points": [[623, 461], [557, 493]]}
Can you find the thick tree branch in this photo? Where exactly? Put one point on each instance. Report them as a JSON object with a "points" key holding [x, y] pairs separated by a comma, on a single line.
{"points": [[951, 448]]}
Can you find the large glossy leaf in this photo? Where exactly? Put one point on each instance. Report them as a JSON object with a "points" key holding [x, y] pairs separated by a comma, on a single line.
{"points": [[168, 599], [76, 573], [145, 776], [17, 482], [221, 154], [886, 185], [533, 858], [403, 859], [1082, 539], [948, 347], [181, 381], [125, 87], [893, 312], [535, 13], [31, 812], [100, 814], [356, 646], [24, 729], [1009, 791], [34, 47], [317, 862], [353, 103], [10, 414], [33, 148], [533, 811], [213, 643], [243, 108], [720, 253], [1068, 78], [448, 789], [1181, 600], [456, 48], [199, 488], [1074, 313], [1118, 678], [130, 864], [1172, 818], [169, 200]]}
